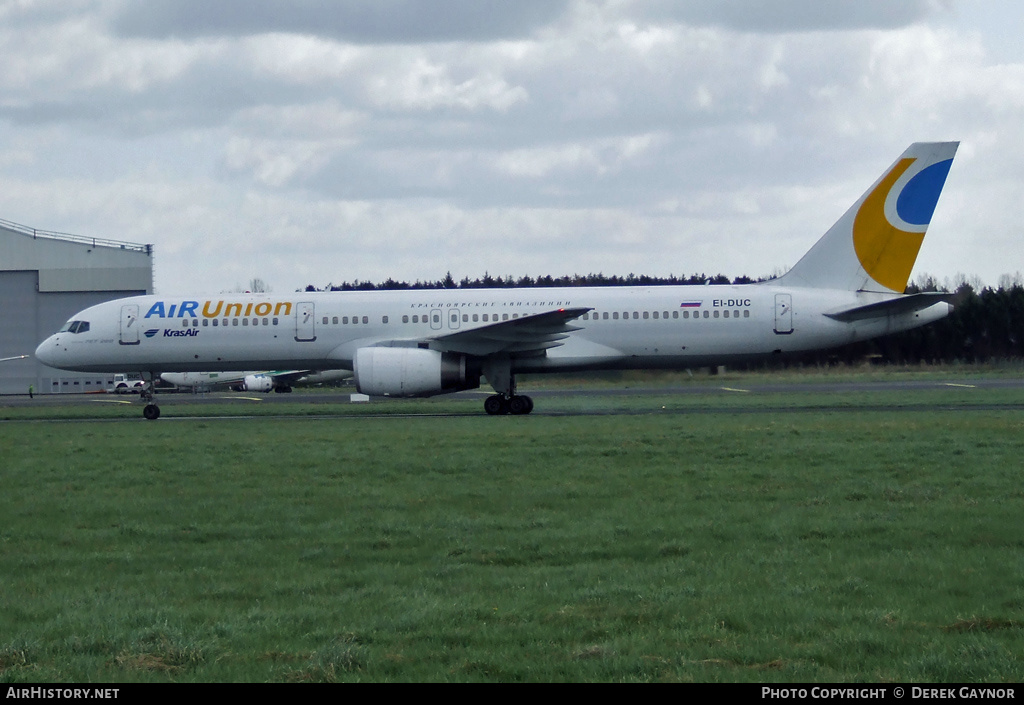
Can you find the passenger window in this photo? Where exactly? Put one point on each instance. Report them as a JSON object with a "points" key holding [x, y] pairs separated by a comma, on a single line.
{"points": [[366, 320], [647, 315], [405, 319], [707, 314], [384, 320], [334, 320], [615, 315], [726, 313], [746, 314], [325, 320]]}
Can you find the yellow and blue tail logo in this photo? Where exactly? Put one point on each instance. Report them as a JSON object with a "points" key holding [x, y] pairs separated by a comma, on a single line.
{"points": [[873, 247], [891, 222]]}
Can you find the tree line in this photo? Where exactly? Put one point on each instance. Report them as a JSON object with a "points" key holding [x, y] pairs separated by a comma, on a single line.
{"points": [[510, 282], [986, 324]]}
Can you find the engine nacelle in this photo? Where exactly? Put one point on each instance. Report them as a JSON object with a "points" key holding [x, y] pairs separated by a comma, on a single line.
{"points": [[411, 372], [257, 383]]}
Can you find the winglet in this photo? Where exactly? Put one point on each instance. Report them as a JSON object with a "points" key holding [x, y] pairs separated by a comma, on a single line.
{"points": [[873, 247]]}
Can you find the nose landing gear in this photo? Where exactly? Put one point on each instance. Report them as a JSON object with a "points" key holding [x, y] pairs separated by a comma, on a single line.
{"points": [[151, 411]]}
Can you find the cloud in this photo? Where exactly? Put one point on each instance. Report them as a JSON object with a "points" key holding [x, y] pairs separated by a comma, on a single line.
{"points": [[357, 21], [369, 140], [777, 16]]}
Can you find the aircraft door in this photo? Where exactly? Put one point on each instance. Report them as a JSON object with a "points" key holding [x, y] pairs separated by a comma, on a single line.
{"points": [[129, 325], [435, 319], [453, 318], [783, 314], [305, 322]]}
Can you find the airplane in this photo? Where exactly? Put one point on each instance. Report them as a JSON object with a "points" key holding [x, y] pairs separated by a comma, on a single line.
{"points": [[848, 287], [254, 381]]}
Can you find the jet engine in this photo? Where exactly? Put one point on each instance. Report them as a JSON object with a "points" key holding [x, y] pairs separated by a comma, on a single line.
{"points": [[411, 372], [257, 383]]}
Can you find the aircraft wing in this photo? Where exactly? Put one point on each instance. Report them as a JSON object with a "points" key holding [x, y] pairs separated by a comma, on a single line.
{"points": [[287, 376], [213, 380], [300, 378], [523, 336], [891, 307]]}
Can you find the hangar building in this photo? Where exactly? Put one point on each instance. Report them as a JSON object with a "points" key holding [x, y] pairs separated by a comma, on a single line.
{"points": [[45, 278]]}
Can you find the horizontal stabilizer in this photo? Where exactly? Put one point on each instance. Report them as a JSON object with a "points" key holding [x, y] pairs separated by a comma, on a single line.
{"points": [[891, 307]]}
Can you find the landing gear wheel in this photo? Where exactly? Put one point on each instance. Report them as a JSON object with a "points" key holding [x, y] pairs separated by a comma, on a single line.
{"points": [[520, 405], [495, 405], [151, 412]]}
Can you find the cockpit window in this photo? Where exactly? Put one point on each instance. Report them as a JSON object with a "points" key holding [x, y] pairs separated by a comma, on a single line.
{"points": [[75, 327]]}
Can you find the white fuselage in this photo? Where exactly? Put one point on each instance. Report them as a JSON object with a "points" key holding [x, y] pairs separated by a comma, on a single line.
{"points": [[625, 328]]}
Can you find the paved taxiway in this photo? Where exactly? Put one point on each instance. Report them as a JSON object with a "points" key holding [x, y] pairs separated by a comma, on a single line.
{"points": [[168, 400]]}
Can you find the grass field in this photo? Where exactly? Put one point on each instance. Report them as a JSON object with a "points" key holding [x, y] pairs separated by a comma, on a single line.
{"points": [[833, 544]]}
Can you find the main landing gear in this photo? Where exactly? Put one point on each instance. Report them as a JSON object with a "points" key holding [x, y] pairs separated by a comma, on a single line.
{"points": [[499, 373], [499, 404]]}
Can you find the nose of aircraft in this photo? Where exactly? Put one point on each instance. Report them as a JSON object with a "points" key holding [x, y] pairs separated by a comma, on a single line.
{"points": [[45, 353]]}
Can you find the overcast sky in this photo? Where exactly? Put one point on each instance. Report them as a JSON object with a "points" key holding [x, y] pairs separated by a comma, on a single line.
{"points": [[311, 142]]}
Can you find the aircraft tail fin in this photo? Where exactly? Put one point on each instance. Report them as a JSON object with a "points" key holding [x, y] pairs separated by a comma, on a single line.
{"points": [[873, 247]]}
